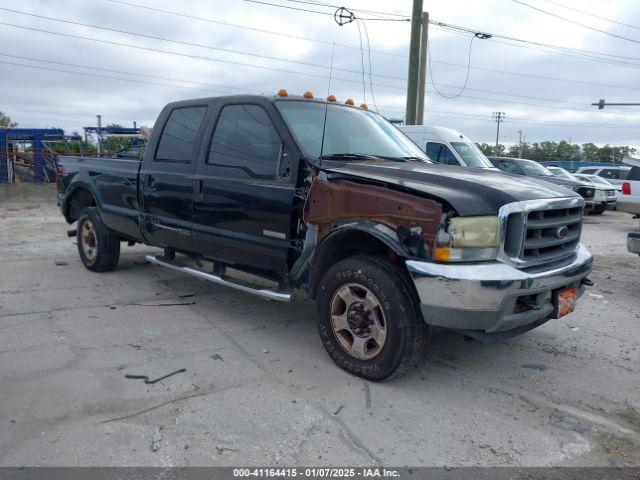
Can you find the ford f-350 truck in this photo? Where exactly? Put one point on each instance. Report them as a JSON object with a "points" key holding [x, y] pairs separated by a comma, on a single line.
{"points": [[333, 201]]}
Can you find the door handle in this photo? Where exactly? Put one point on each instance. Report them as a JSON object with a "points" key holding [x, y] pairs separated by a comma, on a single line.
{"points": [[198, 186], [149, 180]]}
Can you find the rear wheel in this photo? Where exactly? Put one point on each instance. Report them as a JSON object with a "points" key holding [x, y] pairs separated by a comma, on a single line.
{"points": [[368, 318], [99, 247]]}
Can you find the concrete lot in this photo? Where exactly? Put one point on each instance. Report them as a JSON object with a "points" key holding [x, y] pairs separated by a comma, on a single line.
{"points": [[259, 389]]}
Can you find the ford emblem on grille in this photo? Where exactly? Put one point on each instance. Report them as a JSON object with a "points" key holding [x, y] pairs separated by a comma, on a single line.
{"points": [[562, 231]]}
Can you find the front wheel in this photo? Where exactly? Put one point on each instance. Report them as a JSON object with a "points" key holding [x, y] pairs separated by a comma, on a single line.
{"points": [[99, 247], [369, 321]]}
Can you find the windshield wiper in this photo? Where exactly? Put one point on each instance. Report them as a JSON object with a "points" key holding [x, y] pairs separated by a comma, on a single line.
{"points": [[354, 156]]}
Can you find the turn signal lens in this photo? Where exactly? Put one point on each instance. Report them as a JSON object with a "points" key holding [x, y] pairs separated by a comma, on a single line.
{"points": [[442, 254], [331, 98], [308, 95], [282, 92], [349, 102]]}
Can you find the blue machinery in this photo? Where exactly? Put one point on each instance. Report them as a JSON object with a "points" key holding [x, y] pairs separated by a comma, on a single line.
{"points": [[27, 150]]}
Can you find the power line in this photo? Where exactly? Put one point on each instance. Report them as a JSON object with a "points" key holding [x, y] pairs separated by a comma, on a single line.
{"points": [[466, 80], [245, 27], [374, 12], [192, 56], [592, 15], [575, 22], [456, 114], [180, 42], [539, 77], [460, 29], [261, 2]]}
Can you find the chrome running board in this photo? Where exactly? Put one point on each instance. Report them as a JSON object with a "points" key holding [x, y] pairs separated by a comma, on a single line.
{"points": [[220, 280]]}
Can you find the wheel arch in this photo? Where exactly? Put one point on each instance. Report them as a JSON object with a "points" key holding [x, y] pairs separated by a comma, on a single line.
{"points": [[78, 198], [354, 239]]}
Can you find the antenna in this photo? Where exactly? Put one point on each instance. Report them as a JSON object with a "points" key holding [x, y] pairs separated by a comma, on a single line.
{"points": [[333, 51]]}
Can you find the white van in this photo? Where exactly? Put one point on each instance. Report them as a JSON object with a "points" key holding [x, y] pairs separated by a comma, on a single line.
{"points": [[445, 145]]}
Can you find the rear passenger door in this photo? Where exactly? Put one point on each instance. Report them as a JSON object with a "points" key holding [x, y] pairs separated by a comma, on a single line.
{"points": [[243, 189], [166, 179]]}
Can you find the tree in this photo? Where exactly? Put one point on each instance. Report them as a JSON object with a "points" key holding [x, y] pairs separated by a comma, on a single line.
{"points": [[5, 121], [491, 150]]}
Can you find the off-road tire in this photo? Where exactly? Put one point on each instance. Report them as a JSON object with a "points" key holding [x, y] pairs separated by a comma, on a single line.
{"points": [[107, 243], [406, 336]]}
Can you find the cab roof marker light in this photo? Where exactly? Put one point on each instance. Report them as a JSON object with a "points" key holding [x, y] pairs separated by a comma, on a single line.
{"points": [[349, 101], [282, 93], [331, 98], [308, 95], [364, 106]]}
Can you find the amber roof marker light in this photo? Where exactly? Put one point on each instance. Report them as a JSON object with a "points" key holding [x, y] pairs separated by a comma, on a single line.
{"points": [[308, 95], [282, 92], [349, 101], [364, 106], [331, 98]]}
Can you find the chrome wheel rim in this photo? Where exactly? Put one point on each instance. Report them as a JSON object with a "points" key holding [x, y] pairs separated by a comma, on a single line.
{"points": [[89, 243], [358, 321]]}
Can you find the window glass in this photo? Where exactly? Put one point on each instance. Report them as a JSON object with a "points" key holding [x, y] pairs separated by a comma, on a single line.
{"points": [[179, 134], [589, 170], [348, 130], [433, 150], [608, 173], [510, 167], [440, 153], [245, 138], [634, 174], [471, 155], [534, 169]]}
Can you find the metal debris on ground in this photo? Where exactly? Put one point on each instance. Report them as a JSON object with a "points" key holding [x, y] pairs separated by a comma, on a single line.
{"points": [[558, 419], [535, 366], [174, 304], [146, 379], [339, 409], [156, 439], [215, 356], [61, 263]]}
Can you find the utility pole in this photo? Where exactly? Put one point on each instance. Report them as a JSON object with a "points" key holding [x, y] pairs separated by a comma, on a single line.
{"points": [[414, 63], [520, 141], [499, 118], [99, 126], [422, 76]]}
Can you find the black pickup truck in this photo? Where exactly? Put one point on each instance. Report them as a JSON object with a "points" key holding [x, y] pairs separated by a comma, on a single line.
{"points": [[333, 201]]}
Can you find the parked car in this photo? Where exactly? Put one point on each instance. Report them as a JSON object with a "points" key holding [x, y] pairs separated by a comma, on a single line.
{"points": [[616, 175], [629, 200], [530, 168], [336, 202], [604, 197], [444, 145]]}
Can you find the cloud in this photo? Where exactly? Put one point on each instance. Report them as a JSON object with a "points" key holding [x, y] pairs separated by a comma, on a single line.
{"points": [[40, 97]]}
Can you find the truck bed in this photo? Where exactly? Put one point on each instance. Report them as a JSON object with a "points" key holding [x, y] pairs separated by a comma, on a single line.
{"points": [[114, 182]]}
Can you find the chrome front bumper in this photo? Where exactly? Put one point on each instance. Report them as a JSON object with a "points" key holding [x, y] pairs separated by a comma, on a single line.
{"points": [[493, 297]]}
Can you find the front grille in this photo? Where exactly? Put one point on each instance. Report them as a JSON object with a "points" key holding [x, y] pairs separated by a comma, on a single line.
{"points": [[551, 234], [586, 192]]}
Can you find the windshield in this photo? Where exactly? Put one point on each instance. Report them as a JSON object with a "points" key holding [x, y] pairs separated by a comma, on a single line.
{"points": [[562, 173], [535, 169], [471, 155], [598, 180], [348, 130]]}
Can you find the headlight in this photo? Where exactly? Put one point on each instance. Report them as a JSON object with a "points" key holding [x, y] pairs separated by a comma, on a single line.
{"points": [[468, 239]]}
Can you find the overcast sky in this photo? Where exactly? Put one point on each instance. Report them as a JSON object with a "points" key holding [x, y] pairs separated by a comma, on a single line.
{"points": [[36, 97]]}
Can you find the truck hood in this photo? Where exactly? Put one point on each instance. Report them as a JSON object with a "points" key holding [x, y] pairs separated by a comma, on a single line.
{"points": [[470, 191]]}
